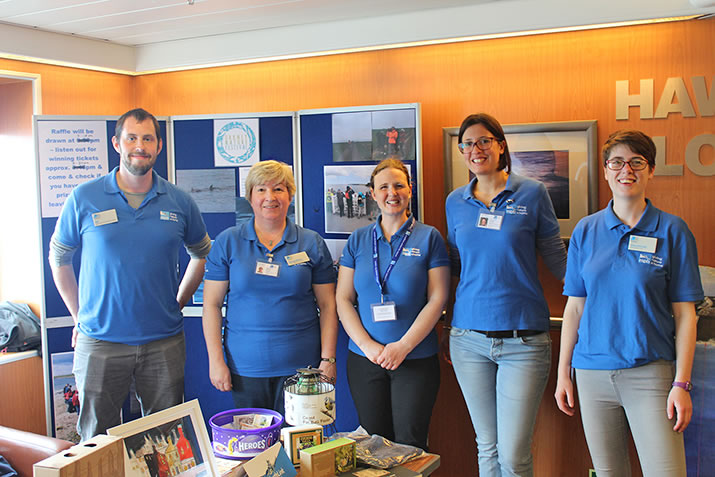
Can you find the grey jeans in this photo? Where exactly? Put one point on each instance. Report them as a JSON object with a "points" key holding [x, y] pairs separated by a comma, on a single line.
{"points": [[611, 401], [104, 370]]}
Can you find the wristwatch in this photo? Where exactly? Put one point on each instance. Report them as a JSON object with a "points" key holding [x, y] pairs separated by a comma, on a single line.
{"points": [[329, 360], [687, 385]]}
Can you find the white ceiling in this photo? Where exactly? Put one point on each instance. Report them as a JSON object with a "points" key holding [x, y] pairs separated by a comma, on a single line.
{"points": [[141, 36], [141, 22]]}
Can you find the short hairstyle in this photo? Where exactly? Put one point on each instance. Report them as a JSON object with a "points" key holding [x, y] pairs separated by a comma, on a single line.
{"points": [[270, 171], [389, 163], [493, 126], [140, 115], [637, 141]]}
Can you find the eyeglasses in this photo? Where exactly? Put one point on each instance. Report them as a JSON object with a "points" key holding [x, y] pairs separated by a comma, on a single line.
{"points": [[635, 163], [482, 143]]}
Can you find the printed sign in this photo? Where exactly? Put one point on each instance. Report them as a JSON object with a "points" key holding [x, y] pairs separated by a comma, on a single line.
{"points": [[236, 142]]}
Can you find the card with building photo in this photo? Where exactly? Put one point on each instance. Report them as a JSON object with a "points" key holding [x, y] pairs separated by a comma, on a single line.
{"points": [[173, 442]]}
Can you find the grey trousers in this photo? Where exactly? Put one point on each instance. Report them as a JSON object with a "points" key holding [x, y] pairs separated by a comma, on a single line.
{"points": [[611, 401], [104, 371]]}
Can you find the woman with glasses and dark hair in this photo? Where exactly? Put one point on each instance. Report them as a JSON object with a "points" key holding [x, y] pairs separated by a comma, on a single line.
{"points": [[629, 325], [499, 341]]}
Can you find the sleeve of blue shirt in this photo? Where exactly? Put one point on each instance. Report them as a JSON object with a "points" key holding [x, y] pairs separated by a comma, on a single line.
{"points": [[323, 271], [196, 229], [347, 259], [573, 281], [217, 266], [455, 262], [438, 256], [685, 283], [67, 228], [548, 225]]}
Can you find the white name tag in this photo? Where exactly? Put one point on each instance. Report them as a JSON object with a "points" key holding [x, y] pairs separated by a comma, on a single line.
{"points": [[490, 220], [384, 311], [638, 243], [267, 269], [297, 258], [105, 217]]}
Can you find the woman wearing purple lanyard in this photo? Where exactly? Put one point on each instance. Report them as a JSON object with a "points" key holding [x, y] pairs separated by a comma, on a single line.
{"points": [[499, 341], [392, 286]]}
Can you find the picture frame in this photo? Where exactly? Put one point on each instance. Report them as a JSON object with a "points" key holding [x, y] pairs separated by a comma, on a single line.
{"points": [[175, 438], [568, 149]]}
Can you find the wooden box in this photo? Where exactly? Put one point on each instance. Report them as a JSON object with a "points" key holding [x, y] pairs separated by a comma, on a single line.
{"points": [[101, 455]]}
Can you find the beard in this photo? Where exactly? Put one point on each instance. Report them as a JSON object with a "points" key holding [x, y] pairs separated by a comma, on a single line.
{"points": [[137, 169]]}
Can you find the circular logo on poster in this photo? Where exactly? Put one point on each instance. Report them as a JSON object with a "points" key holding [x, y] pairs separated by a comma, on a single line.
{"points": [[236, 142]]}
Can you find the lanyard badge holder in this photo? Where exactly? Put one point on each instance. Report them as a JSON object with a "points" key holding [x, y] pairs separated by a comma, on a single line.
{"points": [[268, 269], [385, 310]]}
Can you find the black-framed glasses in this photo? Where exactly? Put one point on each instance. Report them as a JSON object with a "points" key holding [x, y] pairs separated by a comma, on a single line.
{"points": [[636, 164], [482, 143]]}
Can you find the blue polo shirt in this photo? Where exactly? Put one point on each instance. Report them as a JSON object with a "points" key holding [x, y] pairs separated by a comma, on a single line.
{"points": [[272, 326], [406, 286], [627, 319], [499, 288], [129, 271]]}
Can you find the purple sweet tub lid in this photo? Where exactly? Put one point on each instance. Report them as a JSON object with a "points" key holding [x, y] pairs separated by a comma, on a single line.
{"points": [[243, 444]]}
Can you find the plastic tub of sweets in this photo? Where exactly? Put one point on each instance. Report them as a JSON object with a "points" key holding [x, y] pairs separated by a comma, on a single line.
{"points": [[243, 444]]}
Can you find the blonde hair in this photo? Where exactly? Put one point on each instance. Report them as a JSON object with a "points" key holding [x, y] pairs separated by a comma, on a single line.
{"points": [[264, 172]]}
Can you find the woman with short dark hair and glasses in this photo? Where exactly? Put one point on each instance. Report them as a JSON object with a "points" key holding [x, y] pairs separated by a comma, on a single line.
{"points": [[629, 325], [499, 341]]}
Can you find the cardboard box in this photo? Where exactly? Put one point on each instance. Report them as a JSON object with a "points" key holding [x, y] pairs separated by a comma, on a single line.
{"points": [[228, 467], [101, 455], [298, 438], [329, 459]]}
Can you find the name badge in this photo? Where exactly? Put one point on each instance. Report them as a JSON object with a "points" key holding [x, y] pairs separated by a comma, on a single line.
{"points": [[267, 269], [297, 258], [490, 220], [384, 311], [638, 243], [105, 217]]}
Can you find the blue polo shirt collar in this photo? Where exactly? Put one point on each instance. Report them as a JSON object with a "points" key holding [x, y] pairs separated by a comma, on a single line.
{"points": [[647, 223], [513, 181], [400, 232], [157, 185], [290, 234]]}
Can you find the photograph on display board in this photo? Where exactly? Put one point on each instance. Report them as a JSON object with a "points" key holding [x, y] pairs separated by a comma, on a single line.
{"points": [[352, 137], [393, 134], [336, 246], [551, 168], [169, 449], [349, 204], [65, 398], [213, 190]]}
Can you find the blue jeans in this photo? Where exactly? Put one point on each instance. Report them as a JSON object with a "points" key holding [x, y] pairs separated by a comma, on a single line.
{"points": [[104, 371], [502, 381]]}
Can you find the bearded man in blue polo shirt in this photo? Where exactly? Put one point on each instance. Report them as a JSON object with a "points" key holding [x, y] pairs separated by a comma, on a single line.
{"points": [[130, 225]]}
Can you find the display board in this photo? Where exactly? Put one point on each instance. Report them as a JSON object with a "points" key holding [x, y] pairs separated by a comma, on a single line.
{"points": [[70, 150], [212, 155], [338, 150]]}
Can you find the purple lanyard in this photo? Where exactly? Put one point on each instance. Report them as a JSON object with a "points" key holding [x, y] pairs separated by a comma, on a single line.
{"points": [[393, 261]]}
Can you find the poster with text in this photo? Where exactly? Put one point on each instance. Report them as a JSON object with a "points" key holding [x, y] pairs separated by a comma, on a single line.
{"points": [[70, 153]]}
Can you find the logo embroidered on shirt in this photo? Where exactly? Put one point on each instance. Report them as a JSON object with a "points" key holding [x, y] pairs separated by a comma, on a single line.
{"points": [[411, 252], [516, 210], [654, 260], [166, 215]]}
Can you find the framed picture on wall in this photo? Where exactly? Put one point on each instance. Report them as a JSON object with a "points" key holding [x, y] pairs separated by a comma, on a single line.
{"points": [[562, 155]]}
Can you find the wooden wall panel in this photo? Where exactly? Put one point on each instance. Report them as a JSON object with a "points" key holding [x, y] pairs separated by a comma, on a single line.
{"points": [[554, 77], [78, 92]]}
